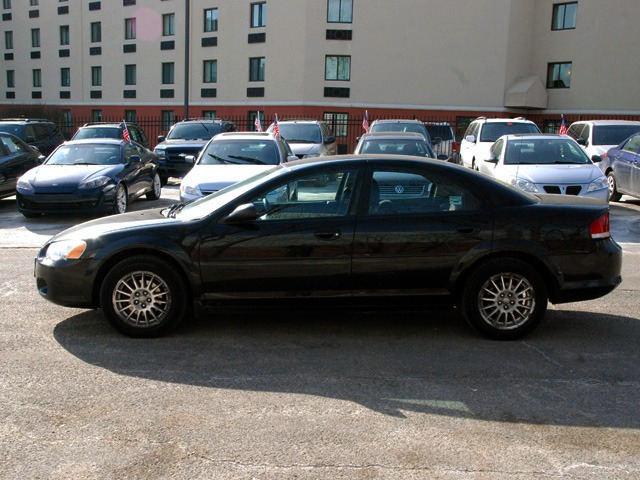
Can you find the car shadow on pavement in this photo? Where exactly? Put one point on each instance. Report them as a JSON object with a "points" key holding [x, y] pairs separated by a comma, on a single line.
{"points": [[578, 368]]}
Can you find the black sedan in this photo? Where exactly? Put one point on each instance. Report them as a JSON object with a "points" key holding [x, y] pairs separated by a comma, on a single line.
{"points": [[16, 157], [385, 226], [87, 176]]}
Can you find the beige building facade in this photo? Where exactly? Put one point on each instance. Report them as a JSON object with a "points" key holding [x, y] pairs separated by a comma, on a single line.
{"points": [[309, 57]]}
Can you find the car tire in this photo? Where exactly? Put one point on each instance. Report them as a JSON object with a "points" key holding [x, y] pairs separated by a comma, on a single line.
{"points": [[163, 180], [121, 200], [31, 214], [504, 299], [156, 188], [143, 297], [614, 195]]}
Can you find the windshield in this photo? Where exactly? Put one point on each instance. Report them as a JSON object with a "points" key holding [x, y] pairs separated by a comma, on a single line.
{"points": [[544, 152], [257, 152], [206, 205], [613, 134], [418, 148], [193, 131], [12, 129], [90, 154], [300, 132], [102, 132], [492, 131]]}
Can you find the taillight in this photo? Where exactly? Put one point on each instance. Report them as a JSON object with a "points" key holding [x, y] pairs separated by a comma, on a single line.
{"points": [[454, 147], [599, 228], [604, 155]]}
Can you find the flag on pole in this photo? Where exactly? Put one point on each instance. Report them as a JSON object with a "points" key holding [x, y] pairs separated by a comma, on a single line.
{"points": [[125, 131], [276, 130], [365, 121], [563, 127], [257, 122]]}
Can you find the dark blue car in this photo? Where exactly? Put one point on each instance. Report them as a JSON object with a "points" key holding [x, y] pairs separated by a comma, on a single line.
{"points": [[16, 157], [87, 176], [621, 164]]}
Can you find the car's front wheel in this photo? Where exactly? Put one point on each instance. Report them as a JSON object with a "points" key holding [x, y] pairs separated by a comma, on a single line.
{"points": [[156, 188], [614, 195], [143, 297], [121, 201], [504, 299]]}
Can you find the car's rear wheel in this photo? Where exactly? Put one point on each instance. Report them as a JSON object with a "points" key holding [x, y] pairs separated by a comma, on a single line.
{"points": [[143, 297], [121, 201], [614, 195], [504, 299], [156, 188]]}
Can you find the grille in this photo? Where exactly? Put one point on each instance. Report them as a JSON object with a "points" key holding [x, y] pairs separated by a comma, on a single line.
{"points": [[401, 190], [570, 190]]}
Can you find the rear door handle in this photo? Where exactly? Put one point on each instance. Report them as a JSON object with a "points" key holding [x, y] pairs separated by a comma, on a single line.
{"points": [[328, 235]]}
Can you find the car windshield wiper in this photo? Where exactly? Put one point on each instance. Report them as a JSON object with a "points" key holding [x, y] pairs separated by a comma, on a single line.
{"points": [[174, 209], [248, 159], [299, 140]]}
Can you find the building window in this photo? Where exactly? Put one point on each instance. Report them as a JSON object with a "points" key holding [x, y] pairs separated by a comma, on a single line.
{"points": [[168, 73], [211, 20], [8, 40], [168, 24], [6, 4], [559, 75], [35, 37], [37, 78], [337, 67], [64, 34], [96, 115], [210, 71], [129, 28], [168, 119], [65, 77], [259, 14], [256, 69], [564, 16], [339, 11], [338, 123], [129, 74], [34, 3], [11, 79], [130, 115], [96, 76], [210, 114], [96, 32]]}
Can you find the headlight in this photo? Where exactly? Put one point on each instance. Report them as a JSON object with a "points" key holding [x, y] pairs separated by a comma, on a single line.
{"points": [[523, 184], [65, 250], [23, 185], [191, 190], [95, 183], [160, 152], [598, 184]]}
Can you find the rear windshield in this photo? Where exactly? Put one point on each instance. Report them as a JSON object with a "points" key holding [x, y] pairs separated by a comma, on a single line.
{"points": [[442, 131], [613, 134], [102, 132], [492, 131], [194, 131]]}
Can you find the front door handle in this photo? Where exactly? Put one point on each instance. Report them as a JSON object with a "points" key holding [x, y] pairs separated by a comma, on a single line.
{"points": [[332, 235]]}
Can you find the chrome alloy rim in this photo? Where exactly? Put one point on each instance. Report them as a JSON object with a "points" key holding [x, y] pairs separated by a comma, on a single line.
{"points": [[121, 199], [157, 187], [506, 301], [141, 299], [612, 184]]}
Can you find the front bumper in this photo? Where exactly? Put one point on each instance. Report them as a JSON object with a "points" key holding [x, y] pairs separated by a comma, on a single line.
{"points": [[65, 202], [65, 282]]}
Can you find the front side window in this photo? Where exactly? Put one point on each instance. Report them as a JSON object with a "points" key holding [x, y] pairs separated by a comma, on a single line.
{"points": [[8, 40], [211, 20], [130, 74], [64, 34], [210, 71], [35, 37], [11, 79], [339, 11], [65, 77], [168, 24], [259, 14], [564, 16], [633, 145], [96, 32], [256, 69], [559, 75], [168, 70], [96, 76], [337, 67], [129, 28], [37, 78]]}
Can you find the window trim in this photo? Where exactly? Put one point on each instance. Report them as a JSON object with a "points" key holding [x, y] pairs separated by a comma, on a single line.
{"points": [[261, 75], [340, 19], [552, 82], [261, 20], [555, 13], [337, 75], [209, 21]]}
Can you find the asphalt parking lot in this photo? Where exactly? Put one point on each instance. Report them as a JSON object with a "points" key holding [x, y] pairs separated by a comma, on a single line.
{"points": [[378, 393]]}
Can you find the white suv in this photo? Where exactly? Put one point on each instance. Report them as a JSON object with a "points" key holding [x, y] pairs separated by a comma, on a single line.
{"points": [[596, 137], [482, 132]]}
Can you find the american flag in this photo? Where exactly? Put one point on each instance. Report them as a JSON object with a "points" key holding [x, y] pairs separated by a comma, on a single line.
{"points": [[125, 131], [257, 123], [563, 127], [365, 121], [276, 130]]}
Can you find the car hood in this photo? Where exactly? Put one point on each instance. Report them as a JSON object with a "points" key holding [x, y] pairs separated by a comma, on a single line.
{"points": [[61, 176], [215, 177], [305, 148], [551, 174]]}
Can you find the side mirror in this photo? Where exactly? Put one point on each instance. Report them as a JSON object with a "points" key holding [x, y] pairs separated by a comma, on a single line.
{"points": [[134, 158], [582, 141], [41, 159], [190, 159], [442, 156], [244, 213], [292, 158], [491, 160], [161, 138], [596, 158], [470, 138], [330, 139], [436, 141]]}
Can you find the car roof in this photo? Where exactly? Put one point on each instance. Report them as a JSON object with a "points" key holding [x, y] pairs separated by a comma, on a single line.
{"points": [[244, 136], [301, 120], [607, 122], [398, 120], [533, 136], [24, 120], [503, 120], [391, 135], [105, 141]]}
